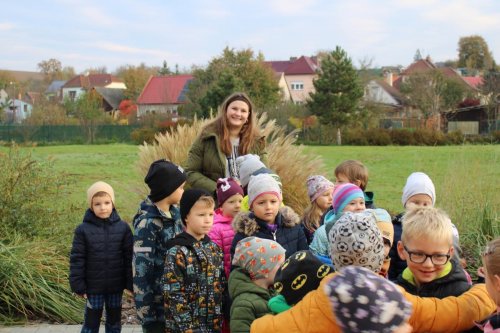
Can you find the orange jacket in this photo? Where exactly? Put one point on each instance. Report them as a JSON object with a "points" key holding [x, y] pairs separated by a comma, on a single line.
{"points": [[314, 314]]}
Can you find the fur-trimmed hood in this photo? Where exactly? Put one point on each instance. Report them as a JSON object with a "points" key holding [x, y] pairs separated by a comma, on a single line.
{"points": [[246, 223]]}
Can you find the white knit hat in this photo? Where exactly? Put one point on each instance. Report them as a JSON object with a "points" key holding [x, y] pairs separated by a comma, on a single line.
{"points": [[99, 187], [418, 183], [248, 164], [262, 184]]}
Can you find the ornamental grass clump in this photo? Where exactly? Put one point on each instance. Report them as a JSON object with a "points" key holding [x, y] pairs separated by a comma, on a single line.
{"points": [[288, 160]]}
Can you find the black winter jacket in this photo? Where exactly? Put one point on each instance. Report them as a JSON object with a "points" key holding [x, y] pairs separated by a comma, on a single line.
{"points": [[289, 234], [101, 255], [398, 265], [452, 284]]}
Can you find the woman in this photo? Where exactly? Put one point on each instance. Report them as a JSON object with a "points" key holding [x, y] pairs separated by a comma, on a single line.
{"points": [[233, 133]]}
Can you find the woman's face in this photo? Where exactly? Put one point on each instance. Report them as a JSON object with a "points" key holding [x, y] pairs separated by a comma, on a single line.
{"points": [[237, 114]]}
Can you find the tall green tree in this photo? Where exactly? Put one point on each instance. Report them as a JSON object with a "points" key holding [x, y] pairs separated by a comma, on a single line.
{"points": [[232, 71], [135, 78], [474, 53], [165, 70], [338, 90], [432, 93], [491, 92], [89, 112]]}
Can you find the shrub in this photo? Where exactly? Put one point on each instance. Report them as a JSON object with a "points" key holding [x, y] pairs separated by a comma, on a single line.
{"points": [[378, 137], [143, 134], [402, 137], [355, 137], [455, 137], [495, 136]]}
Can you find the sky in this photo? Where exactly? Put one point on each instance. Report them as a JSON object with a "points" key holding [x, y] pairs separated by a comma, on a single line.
{"points": [[111, 33]]}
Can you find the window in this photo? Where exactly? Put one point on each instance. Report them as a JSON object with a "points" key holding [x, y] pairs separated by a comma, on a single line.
{"points": [[297, 85], [72, 95], [25, 108]]}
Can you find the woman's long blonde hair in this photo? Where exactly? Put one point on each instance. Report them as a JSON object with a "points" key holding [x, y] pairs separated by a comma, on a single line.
{"points": [[249, 132]]}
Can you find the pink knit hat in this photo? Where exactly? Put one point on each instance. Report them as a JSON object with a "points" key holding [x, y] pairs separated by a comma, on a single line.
{"points": [[226, 188], [317, 185], [343, 194]]}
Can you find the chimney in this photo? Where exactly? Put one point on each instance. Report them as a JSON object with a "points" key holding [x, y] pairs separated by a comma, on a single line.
{"points": [[388, 78]]}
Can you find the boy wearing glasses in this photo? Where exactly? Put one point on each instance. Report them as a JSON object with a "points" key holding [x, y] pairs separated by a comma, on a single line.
{"points": [[427, 246]]}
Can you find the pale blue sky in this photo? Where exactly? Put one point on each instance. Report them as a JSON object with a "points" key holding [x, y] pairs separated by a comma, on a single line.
{"points": [[111, 33]]}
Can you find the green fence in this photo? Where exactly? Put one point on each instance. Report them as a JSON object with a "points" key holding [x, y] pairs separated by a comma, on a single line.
{"points": [[65, 133]]}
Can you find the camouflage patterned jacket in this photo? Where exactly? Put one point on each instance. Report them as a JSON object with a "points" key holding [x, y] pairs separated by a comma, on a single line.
{"points": [[194, 285], [152, 230]]}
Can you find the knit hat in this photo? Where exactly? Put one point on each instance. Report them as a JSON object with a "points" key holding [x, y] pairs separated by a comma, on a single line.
{"points": [[248, 164], [269, 172], [163, 178], [258, 256], [189, 198], [343, 194], [226, 188], [418, 183], [365, 302], [262, 184], [356, 240], [300, 273], [99, 187], [316, 186]]}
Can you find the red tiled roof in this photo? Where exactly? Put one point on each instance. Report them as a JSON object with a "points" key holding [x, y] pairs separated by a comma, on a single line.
{"points": [[419, 65], [165, 90], [302, 65], [473, 81], [91, 80]]}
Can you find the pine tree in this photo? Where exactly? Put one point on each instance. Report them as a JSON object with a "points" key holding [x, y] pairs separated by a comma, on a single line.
{"points": [[337, 90]]}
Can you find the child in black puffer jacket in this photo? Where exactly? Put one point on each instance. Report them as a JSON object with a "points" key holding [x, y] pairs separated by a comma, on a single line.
{"points": [[101, 259]]}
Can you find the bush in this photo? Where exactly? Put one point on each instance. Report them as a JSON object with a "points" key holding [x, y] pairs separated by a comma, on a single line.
{"points": [[143, 135], [355, 137], [495, 136], [402, 137], [31, 191], [428, 137], [455, 137], [378, 137]]}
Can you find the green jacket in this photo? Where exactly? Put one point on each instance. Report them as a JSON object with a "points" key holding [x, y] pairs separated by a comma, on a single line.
{"points": [[206, 162], [249, 301]]}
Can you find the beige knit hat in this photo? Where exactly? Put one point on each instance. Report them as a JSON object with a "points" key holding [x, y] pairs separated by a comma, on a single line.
{"points": [[100, 187]]}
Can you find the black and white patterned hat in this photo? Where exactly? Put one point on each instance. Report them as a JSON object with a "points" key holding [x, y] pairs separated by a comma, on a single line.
{"points": [[362, 301], [356, 240]]}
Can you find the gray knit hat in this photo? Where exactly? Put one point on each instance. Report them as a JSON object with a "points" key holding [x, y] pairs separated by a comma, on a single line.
{"points": [[317, 185], [356, 240], [248, 164], [262, 184], [365, 302]]}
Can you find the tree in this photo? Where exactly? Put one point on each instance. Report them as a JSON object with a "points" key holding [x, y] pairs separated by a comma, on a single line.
{"points": [[232, 71], [5, 79], [135, 78], [88, 109], [474, 54], [164, 70], [417, 56], [96, 70], [432, 93], [491, 92], [52, 68], [337, 90]]}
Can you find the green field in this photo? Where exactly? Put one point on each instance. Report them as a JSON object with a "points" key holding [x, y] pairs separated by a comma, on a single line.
{"points": [[460, 173]]}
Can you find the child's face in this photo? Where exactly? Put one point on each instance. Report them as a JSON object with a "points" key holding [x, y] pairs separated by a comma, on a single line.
{"points": [[266, 207], [343, 179], [357, 205], [325, 200], [232, 205], [416, 250], [200, 219], [418, 200], [102, 206], [176, 196]]}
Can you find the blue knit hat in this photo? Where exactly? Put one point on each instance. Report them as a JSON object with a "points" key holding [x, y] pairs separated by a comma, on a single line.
{"points": [[343, 194]]}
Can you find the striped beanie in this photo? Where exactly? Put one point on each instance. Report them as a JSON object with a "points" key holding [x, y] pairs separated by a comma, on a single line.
{"points": [[343, 194]]}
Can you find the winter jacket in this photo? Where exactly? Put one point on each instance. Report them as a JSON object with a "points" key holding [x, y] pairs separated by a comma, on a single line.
{"points": [[490, 324], [314, 314], [319, 244], [222, 234], [206, 162], [289, 233], [152, 230], [101, 255], [453, 282], [194, 284], [249, 301]]}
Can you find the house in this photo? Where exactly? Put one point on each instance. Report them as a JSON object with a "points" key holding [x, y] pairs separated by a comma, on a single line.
{"points": [[163, 95], [111, 98], [17, 111], [54, 91], [296, 77], [78, 85]]}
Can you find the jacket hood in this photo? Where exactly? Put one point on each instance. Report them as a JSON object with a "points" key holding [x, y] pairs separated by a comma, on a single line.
{"points": [[185, 239], [247, 224], [148, 210], [221, 219], [90, 217], [240, 283]]}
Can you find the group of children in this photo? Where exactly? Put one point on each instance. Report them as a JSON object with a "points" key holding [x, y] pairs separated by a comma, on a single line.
{"points": [[244, 261]]}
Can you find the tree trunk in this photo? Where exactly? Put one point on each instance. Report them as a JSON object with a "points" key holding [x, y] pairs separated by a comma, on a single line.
{"points": [[339, 137]]}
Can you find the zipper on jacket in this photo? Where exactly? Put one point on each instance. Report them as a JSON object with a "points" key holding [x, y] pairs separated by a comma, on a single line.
{"points": [[274, 235]]}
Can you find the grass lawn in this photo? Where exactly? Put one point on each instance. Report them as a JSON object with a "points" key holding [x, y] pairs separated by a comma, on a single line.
{"points": [[466, 177]]}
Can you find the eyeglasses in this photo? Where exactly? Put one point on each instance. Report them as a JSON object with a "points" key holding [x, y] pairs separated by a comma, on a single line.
{"points": [[420, 258]]}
